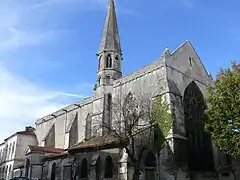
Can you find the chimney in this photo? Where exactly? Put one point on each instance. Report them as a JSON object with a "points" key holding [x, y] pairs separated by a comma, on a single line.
{"points": [[29, 129]]}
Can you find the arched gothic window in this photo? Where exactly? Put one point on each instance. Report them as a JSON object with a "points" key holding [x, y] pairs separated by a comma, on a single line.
{"points": [[99, 62], [109, 101], [130, 112], [116, 57], [150, 166], [108, 61], [99, 81], [84, 173], [108, 78], [200, 156], [53, 173], [108, 167], [88, 130]]}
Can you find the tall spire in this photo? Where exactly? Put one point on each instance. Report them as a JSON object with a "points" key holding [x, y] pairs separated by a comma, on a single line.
{"points": [[109, 54], [110, 38]]}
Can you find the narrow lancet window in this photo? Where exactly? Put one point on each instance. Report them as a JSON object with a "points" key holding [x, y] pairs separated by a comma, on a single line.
{"points": [[108, 61]]}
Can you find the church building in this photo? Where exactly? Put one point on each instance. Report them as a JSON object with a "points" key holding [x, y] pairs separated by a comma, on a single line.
{"points": [[70, 147]]}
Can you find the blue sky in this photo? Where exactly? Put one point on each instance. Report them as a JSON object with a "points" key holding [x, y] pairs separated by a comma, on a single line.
{"points": [[48, 47]]}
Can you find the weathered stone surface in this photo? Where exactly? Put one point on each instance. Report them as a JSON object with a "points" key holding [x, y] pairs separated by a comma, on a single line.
{"points": [[168, 76]]}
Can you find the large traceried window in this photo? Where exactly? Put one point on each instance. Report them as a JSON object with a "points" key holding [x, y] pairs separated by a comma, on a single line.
{"points": [[130, 112], [200, 156]]}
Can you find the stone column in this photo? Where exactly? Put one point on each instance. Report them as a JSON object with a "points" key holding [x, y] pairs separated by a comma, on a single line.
{"points": [[123, 165], [174, 157]]}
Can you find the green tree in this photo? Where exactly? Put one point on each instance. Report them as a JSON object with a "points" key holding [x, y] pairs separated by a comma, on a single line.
{"points": [[162, 120], [162, 123], [134, 119], [223, 114]]}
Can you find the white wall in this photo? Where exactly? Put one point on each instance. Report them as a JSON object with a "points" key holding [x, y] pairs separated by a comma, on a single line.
{"points": [[23, 141], [14, 153]]}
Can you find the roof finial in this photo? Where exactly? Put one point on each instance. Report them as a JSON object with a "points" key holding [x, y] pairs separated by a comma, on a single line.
{"points": [[166, 53]]}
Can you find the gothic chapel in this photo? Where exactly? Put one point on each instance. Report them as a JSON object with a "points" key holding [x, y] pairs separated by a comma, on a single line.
{"points": [[66, 138]]}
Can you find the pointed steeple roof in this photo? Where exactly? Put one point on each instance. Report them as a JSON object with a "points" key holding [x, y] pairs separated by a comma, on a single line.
{"points": [[110, 38]]}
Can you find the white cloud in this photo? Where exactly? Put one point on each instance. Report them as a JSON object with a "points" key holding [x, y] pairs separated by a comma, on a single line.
{"points": [[20, 24], [23, 102], [13, 34], [23, 23], [20, 38]]}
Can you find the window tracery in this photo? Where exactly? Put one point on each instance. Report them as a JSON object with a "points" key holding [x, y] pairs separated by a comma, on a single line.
{"points": [[130, 112], [199, 142]]}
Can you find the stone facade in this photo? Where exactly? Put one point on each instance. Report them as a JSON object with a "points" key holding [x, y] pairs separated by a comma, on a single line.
{"points": [[179, 76], [12, 152]]}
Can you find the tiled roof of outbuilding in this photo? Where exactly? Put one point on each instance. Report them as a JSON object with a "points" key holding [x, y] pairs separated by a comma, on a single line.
{"points": [[96, 142], [45, 149]]}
